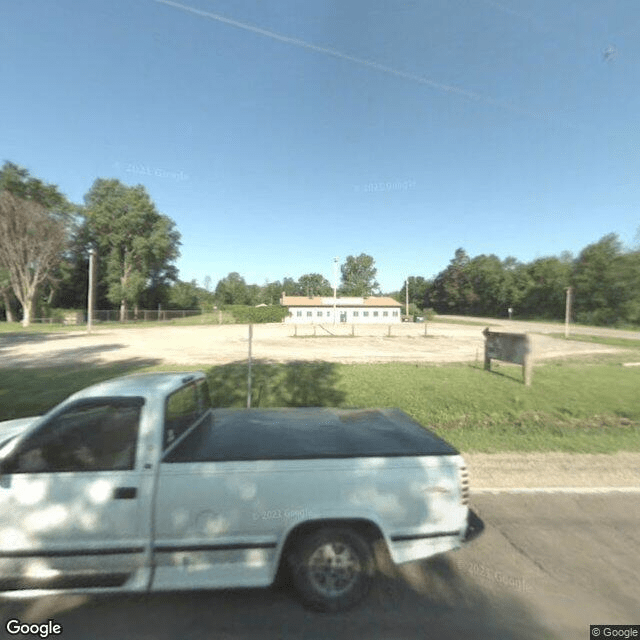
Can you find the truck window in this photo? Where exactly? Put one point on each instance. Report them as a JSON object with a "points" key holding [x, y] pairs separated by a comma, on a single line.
{"points": [[96, 435], [183, 408]]}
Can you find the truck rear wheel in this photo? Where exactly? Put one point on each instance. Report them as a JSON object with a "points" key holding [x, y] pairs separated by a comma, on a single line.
{"points": [[332, 569]]}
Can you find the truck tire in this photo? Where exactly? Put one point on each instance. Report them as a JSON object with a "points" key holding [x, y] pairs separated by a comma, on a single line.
{"points": [[332, 569]]}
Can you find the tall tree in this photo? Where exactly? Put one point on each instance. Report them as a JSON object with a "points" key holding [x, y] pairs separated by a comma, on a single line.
{"points": [[290, 287], [599, 291], [184, 295], [359, 276], [35, 221], [254, 294], [71, 277], [516, 285], [23, 185], [452, 290], [232, 290], [487, 280], [418, 290], [629, 270], [271, 292], [136, 243], [314, 284], [546, 295], [206, 299]]}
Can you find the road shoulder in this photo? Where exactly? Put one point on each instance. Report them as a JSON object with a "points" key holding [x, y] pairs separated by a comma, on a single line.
{"points": [[553, 469]]}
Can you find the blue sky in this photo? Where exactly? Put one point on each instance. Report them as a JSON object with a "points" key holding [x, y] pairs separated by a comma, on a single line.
{"points": [[279, 135]]}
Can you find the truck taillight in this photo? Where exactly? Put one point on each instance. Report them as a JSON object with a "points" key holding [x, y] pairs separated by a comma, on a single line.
{"points": [[464, 485]]}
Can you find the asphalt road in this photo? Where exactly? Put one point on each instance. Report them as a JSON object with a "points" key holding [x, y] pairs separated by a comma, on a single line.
{"points": [[547, 566]]}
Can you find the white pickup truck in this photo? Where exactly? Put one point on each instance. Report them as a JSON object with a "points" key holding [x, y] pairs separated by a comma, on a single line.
{"points": [[137, 484]]}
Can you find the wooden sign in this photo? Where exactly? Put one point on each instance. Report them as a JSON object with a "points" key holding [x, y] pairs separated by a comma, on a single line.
{"points": [[508, 347]]}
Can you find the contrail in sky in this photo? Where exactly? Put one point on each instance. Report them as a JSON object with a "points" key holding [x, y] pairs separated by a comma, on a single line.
{"points": [[469, 95]]}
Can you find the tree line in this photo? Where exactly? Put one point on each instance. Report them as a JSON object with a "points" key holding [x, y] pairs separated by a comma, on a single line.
{"points": [[604, 278], [45, 242]]}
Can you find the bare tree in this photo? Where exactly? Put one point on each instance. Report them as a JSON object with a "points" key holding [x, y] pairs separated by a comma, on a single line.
{"points": [[31, 243], [5, 293]]}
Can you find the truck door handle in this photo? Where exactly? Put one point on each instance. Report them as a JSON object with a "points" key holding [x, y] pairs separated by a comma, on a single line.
{"points": [[124, 493]]}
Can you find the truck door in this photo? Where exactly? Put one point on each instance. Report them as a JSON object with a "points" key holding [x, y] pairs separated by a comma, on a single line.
{"points": [[75, 506], [205, 535]]}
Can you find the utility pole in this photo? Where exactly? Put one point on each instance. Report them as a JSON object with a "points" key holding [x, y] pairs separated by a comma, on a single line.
{"points": [[335, 286], [91, 298], [407, 297], [250, 362], [567, 314]]}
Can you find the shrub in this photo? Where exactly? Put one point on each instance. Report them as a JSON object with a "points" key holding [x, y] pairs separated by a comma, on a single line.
{"points": [[254, 315]]}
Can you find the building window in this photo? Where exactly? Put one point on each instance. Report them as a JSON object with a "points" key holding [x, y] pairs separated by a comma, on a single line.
{"points": [[355, 314], [309, 314], [365, 314], [395, 313], [385, 314], [375, 314], [320, 314], [299, 314]]}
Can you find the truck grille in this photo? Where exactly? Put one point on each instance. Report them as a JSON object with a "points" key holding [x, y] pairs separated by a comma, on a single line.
{"points": [[464, 485]]}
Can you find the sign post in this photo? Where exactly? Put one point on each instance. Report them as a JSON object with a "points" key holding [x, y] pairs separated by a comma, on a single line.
{"points": [[567, 312], [509, 347], [91, 298]]}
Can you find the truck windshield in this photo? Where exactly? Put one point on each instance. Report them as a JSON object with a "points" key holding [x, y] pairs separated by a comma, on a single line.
{"points": [[183, 409]]}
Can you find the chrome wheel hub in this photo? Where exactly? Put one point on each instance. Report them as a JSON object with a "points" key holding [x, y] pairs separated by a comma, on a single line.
{"points": [[334, 568]]}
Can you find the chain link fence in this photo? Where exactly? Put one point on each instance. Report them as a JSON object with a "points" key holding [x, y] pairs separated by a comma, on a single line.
{"points": [[144, 315], [113, 315]]}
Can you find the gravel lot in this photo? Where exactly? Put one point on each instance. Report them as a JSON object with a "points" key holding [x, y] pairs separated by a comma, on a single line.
{"points": [[219, 344]]}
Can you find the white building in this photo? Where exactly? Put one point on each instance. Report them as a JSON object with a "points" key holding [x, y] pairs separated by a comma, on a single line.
{"points": [[318, 310]]}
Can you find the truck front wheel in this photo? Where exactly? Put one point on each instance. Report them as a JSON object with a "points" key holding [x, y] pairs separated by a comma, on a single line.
{"points": [[332, 569]]}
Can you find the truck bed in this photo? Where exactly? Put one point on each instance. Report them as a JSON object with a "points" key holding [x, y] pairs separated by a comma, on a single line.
{"points": [[291, 434]]}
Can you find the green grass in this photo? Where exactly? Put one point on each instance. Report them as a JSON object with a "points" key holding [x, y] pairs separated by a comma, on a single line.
{"points": [[215, 317], [569, 407], [614, 342], [572, 406], [445, 320], [203, 318], [16, 328]]}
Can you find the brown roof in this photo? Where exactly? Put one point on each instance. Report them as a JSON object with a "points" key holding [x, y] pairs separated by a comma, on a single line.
{"points": [[327, 301], [381, 302]]}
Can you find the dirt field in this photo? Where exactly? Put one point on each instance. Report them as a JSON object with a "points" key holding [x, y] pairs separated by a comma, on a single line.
{"points": [[218, 344]]}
